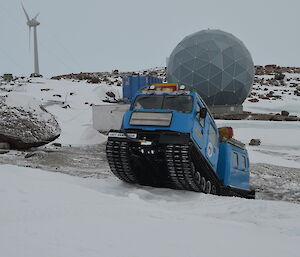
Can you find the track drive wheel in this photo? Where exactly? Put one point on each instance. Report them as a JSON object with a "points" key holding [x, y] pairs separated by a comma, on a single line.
{"points": [[208, 187], [197, 177], [213, 190], [203, 184]]}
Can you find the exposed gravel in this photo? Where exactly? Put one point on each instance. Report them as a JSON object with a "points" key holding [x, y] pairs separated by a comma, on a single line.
{"points": [[276, 183], [270, 182], [88, 161]]}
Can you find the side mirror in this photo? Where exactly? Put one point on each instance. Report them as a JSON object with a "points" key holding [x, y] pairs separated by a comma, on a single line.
{"points": [[203, 113]]}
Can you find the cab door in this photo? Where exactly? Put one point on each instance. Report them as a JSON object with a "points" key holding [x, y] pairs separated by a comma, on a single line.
{"points": [[212, 146], [199, 130]]}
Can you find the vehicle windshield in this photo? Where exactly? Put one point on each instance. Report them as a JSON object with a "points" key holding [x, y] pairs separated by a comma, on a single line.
{"points": [[180, 103]]}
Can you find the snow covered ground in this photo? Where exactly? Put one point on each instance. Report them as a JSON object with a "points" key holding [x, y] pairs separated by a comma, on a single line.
{"points": [[70, 102], [51, 214], [280, 141], [288, 100], [94, 214]]}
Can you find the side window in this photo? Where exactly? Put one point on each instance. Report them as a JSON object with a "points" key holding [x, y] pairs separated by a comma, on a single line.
{"points": [[213, 136], [235, 160], [244, 162], [198, 112], [201, 121]]}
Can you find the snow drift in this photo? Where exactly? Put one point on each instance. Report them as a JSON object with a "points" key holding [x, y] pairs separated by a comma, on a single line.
{"points": [[51, 214]]}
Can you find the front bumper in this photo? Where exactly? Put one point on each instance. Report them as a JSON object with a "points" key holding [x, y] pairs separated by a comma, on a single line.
{"points": [[155, 137]]}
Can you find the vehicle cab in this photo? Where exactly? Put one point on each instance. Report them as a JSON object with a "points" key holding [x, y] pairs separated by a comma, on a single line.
{"points": [[170, 107]]}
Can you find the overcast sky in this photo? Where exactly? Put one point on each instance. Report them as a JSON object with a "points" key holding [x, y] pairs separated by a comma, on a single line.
{"points": [[97, 35]]}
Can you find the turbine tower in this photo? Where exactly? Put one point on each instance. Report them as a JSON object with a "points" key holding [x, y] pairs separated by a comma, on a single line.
{"points": [[33, 23]]}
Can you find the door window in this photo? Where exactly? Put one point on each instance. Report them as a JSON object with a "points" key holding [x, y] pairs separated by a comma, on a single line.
{"points": [[235, 160], [213, 136], [244, 164], [201, 120]]}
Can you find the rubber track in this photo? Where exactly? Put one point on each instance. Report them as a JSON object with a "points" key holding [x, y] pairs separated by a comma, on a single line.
{"points": [[118, 160], [180, 167]]}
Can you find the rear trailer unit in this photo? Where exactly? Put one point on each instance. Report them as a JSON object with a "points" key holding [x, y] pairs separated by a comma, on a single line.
{"points": [[169, 139]]}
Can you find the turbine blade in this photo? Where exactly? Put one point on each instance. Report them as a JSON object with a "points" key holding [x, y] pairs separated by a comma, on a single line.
{"points": [[36, 15], [26, 14]]}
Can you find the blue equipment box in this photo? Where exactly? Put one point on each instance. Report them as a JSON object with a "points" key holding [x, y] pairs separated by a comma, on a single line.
{"points": [[133, 83]]}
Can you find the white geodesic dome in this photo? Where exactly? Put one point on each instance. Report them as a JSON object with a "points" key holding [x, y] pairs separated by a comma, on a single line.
{"points": [[216, 64]]}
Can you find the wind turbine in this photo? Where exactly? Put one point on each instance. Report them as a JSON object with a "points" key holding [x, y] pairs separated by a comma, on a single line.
{"points": [[33, 23]]}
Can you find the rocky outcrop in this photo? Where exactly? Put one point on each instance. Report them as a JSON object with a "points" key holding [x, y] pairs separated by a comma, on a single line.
{"points": [[24, 123], [256, 116], [273, 69], [111, 78]]}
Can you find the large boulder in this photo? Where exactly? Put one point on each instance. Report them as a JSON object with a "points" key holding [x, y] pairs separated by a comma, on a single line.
{"points": [[25, 123], [255, 141]]}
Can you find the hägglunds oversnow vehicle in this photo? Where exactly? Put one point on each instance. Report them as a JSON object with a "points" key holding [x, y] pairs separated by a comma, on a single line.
{"points": [[169, 139]]}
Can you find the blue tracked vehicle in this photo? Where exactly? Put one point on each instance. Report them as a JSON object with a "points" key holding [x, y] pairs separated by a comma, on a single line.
{"points": [[169, 139]]}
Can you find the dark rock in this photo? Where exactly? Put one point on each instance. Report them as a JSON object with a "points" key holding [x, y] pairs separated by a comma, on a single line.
{"points": [[292, 118], [94, 80], [285, 113], [56, 77], [270, 66], [276, 96], [4, 146], [28, 155], [35, 154], [110, 94], [24, 123], [7, 77], [255, 142], [4, 151], [279, 76], [276, 118], [35, 75], [264, 97], [57, 144], [253, 100]]}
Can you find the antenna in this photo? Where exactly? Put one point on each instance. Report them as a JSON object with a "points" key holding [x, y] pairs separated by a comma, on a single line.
{"points": [[33, 23]]}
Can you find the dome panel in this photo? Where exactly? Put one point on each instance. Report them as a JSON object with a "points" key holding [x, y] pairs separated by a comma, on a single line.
{"points": [[204, 71], [216, 64]]}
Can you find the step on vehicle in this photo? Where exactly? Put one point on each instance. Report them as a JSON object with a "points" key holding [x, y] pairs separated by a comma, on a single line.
{"points": [[169, 139]]}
